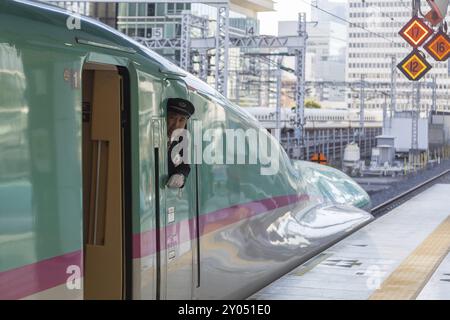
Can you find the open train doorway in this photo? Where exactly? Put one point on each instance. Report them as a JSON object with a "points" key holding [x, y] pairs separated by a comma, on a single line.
{"points": [[106, 183]]}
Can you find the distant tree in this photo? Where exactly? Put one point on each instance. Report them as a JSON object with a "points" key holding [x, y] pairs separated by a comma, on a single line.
{"points": [[311, 104]]}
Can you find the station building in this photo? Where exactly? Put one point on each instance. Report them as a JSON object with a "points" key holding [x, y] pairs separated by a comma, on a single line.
{"points": [[369, 55]]}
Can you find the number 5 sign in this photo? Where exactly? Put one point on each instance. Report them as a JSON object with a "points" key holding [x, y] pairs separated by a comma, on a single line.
{"points": [[414, 66], [157, 33]]}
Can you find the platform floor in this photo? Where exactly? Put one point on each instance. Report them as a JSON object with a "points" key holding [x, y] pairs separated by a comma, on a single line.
{"points": [[403, 255]]}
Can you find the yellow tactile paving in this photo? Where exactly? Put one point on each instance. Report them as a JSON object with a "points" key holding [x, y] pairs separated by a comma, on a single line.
{"points": [[408, 280]]}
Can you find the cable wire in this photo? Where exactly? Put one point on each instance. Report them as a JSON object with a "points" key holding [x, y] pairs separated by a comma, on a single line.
{"points": [[345, 20]]}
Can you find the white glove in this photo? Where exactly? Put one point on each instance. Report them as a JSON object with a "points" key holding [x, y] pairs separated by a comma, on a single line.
{"points": [[176, 181], [177, 160]]}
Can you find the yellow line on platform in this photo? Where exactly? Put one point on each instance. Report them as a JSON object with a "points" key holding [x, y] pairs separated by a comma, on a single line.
{"points": [[409, 279]]}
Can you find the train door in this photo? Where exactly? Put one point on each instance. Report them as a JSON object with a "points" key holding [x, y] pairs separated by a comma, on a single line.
{"points": [[105, 157], [179, 237]]}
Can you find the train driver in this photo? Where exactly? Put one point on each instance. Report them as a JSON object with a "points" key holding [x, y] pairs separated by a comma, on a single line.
{"points": [[178, 113]]}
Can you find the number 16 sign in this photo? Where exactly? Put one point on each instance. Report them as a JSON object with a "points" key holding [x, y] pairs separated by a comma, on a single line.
{"points": [[439, 46]]}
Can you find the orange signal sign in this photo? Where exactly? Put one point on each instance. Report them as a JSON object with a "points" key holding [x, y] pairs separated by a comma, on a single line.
{"points": [[438, 11], [414, 66], [416, 32], [433, 18], [439, 46], [320, 158]]}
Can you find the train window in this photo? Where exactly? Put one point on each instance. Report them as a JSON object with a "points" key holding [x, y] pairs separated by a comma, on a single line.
{"points": [[178, 113]]}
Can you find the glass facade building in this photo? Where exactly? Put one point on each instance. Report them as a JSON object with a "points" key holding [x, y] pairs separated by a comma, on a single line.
{"points": [[163, 20], [153, 20], [103, 11]]}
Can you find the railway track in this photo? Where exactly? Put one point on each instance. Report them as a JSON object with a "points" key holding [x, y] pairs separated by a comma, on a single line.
{"points": [[389, 205]]}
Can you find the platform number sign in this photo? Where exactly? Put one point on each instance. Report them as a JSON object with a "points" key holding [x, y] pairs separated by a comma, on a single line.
{"points": [[157, 33], [416, 32], [414, 66], [439, 46]]}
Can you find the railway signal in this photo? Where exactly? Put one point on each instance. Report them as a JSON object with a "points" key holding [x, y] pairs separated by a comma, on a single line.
{"points": [[319, 158], [439, 46], [416, 32], [414, 66], [438, 11]]}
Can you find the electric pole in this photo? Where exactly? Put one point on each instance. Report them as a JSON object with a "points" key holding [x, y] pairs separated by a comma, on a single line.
{"points": [[393, 108], [279, 85], [415, 119], [362, 97]]}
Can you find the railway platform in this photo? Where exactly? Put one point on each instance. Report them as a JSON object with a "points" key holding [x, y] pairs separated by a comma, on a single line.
{"points": [[403, 255]]}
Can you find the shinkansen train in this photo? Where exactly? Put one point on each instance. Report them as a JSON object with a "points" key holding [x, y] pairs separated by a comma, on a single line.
{"points": [[84, 208], [317, 118]]}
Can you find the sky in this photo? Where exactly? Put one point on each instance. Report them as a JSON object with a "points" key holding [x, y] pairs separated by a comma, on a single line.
{"points": [[284, 10]]}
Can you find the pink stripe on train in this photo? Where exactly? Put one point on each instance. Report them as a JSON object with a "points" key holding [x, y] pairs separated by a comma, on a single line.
{"points": [[144, 243], [24, 281], [46, 274]]}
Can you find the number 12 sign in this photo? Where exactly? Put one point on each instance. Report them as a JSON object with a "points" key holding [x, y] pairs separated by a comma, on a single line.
{"points": [[414, 66]]}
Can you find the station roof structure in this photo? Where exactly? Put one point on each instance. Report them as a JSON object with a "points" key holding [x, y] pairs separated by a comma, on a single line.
{"points": [[251, 7]]}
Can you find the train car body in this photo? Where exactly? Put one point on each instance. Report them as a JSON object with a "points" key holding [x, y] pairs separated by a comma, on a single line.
{"points": [[317, 118], [84, 211]]}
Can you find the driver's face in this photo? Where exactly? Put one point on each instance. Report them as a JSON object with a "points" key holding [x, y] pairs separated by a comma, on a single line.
{"points": [[175, 121]]}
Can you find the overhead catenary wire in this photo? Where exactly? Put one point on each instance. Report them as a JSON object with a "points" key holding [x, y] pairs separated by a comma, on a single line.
{"points": [[347, 21]]}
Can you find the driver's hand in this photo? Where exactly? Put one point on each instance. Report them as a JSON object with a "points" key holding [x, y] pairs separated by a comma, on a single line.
{"points": [[176, 181]]}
